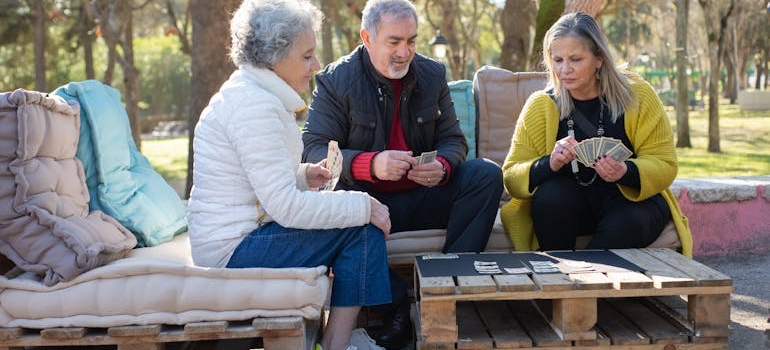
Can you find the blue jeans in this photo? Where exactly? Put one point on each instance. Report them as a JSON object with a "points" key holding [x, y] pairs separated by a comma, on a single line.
{"points": [[356, 255]]}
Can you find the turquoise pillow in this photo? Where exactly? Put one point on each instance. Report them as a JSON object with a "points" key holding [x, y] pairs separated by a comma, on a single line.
{"points": [[120, 180], [465, 108]]}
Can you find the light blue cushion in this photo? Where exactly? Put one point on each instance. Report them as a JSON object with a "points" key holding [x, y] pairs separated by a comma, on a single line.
{"points": [[120, 180], [465, 108]]}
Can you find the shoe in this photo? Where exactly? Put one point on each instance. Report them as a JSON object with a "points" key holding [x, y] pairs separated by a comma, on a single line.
{"points": [[396, 330], [360, 340]]}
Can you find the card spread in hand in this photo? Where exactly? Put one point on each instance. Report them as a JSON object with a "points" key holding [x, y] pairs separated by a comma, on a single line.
{"points": [[589, 150], [334, 164]]}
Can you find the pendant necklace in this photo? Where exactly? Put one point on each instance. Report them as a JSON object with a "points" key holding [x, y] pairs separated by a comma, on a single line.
{"points": [[571, 132]]}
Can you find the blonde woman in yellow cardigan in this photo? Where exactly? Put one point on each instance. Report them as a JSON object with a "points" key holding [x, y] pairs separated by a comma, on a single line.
{"points": [[622, 204]]}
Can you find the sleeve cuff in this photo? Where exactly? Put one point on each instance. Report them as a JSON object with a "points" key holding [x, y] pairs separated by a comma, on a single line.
{"points": [[447, 169], [361, 166]]}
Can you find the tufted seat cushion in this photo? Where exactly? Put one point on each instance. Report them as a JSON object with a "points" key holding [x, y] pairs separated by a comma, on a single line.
{"points": [[160, 285]]}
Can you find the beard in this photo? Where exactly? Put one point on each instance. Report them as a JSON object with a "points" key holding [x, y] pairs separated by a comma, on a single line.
{"points": [[397, 73]]}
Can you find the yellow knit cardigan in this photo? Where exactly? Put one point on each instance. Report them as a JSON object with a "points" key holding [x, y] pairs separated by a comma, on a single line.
{"points": [[649, 131]]}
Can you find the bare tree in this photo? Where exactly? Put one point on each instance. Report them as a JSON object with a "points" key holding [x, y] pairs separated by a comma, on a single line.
{"points": [[517, 21], [210, 63], [682, 82], [716, 13], [39, 15], [548, 12]]}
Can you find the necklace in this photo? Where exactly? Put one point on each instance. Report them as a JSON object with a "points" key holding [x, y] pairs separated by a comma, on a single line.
{"points": [[571, 132]]}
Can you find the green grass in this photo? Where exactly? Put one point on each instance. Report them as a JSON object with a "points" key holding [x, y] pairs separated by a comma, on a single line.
{"points": [[744, 137], [744, 141]]}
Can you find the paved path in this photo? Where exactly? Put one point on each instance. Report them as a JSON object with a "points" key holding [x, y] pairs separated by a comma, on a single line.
{"points": [[750, 302]]}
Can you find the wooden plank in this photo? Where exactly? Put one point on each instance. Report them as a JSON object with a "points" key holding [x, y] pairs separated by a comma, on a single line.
{"points": [[657, 328], [514, 283], [420, 343], [618, 327], [476, 284], [289, 322], [506, 331], [437, 285], [538, 328], [630, 280], [63, 333], [553, 281], [662, 274], [573, 319], [591, 281], [438, 321], [142, 346], [10, 333], [205, 327], [134, 331], [471, 333], [710, 313], [704, 275]]}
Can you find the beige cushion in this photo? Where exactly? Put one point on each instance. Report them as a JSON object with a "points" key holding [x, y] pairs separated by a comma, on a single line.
{"points": [[160, 285], [500, 95]]}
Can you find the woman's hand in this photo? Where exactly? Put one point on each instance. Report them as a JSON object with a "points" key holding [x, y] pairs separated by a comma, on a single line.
{"points": [[317, 175], [610, 169], [563, 153], [380, 216]]}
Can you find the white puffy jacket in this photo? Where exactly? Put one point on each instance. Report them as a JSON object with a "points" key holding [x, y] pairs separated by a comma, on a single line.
{"points": [[247, 152]]}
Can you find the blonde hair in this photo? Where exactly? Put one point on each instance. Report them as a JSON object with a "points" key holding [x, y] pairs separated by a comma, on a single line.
{"points": [[614, 89]]}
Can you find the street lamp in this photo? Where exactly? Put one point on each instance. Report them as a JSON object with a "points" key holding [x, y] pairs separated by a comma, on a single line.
{"points": [[439, 44]]}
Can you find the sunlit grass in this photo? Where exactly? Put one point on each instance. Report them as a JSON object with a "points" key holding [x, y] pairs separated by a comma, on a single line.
{"points": [[744, 141], [744, 137]]}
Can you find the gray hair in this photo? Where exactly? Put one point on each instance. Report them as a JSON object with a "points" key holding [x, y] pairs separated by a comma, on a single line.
{"points": [[614, 88], [263, 31], [374, 9]]}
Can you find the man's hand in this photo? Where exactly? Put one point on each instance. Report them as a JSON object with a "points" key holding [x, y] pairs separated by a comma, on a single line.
{"points": [[392, 165], [428, 174], [317, 175], [380, 216]]}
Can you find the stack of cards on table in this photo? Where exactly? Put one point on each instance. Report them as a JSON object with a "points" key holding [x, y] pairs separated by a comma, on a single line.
{"points": [[589, 150], [487, 267], [334, 164], [576, 266], [426, 157], [543, 266]]}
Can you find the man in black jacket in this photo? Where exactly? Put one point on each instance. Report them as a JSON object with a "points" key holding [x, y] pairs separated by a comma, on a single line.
{"points": [[385, 105]]}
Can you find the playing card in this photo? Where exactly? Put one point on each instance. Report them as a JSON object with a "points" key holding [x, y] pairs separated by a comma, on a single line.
{"points": [[334, 164], [426, 157], [440, 256], [620, 152]]}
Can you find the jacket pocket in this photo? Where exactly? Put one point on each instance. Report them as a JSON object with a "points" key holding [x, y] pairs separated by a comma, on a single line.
{"points": [[362, 127], [427, 120]]}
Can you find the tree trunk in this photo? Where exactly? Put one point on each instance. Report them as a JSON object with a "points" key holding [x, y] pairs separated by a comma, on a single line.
{"points": [[327, 53], [130, 72], [38, 11], [682, 80], [716, 25], [86, 39], [210, 63], [590, 7], [517, 21], [547, 14]]}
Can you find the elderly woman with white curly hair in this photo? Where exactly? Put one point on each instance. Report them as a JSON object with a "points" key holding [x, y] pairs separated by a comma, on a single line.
{"points": [[254, 204]]}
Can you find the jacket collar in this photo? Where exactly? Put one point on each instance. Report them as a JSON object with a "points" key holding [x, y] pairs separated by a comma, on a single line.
{"points": [[268, 80], [409, 81]]}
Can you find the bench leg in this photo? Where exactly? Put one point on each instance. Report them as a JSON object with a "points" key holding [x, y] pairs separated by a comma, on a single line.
{"points": [[574, 318], [438, 321], [710, 313]]}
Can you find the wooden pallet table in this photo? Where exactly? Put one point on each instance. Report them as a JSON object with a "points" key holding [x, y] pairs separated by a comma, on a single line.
{"points": [[667, 301], [277, 333]]}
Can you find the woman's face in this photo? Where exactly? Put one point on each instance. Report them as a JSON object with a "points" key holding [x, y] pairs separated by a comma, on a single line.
{"points": [[575, 67], [298, 67]]}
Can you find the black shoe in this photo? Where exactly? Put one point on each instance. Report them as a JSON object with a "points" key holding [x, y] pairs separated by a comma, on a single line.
{"points": [[396, 330]]}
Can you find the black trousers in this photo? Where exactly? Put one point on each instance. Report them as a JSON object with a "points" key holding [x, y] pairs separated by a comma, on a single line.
{"points": [[562, 210], [466, 206]]}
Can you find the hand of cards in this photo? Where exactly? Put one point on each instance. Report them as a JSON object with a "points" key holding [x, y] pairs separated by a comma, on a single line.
{"points": [[589, 150], [426, 157], [334, 164]]}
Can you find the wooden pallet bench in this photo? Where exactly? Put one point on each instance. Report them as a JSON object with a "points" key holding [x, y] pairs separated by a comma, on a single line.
{"points": [[597, 310], [277, 333]]}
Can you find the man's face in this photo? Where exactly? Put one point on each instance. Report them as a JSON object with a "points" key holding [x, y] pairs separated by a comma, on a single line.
{"points": [[393, 49]]}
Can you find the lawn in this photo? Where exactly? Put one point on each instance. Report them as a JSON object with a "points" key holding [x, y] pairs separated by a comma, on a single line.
{"points": [[745, 137]]}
